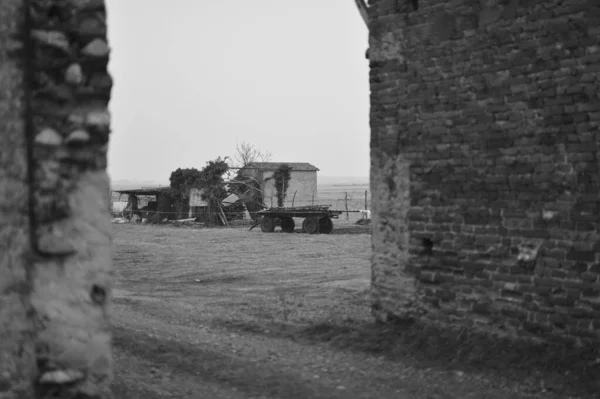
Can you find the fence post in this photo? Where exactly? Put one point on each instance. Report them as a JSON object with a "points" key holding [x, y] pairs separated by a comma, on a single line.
{"points": [[346, 204], [366, 191]]}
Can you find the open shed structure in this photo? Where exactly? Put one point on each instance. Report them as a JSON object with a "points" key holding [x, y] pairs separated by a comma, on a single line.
{"points": [[153, 204], [150, 203]]}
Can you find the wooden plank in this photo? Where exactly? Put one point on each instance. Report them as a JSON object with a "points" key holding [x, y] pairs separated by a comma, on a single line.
{"points": [[363, 10], [222, 216]]}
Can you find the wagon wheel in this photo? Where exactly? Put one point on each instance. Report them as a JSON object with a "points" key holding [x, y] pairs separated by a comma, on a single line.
{"points": [[311, 225], [287, 224], [325, 225], [267, 224]]}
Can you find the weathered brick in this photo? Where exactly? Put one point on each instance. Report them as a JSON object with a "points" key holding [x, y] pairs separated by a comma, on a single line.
{"points": [[482, 307], [514, 313], [556, 253], [558, 274], [428, 277], [503, 144], [561, 301], [488, 240], [583, 256], [445, 295], [559, 320], [579, 267], [584, 332], [533, 327], [580, 286], [548, 282], [510, 294], [577, 313], [504, 278]]}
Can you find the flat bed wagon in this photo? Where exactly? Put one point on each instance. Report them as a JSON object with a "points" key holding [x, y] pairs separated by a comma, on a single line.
{"points": [[317, 219]]}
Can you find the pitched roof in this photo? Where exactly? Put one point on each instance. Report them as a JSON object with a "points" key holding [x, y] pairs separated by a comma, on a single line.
{"points": [[297, 166], [143, 190]]}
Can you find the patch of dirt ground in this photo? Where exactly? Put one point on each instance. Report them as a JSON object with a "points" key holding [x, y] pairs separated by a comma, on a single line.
{"points": [[232, 313]]}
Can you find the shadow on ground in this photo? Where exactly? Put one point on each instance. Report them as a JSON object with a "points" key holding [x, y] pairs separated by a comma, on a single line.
{"points": [[563, 370]]}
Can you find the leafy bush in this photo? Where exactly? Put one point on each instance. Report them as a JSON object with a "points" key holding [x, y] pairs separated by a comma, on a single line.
{"points": [[282, 178]]}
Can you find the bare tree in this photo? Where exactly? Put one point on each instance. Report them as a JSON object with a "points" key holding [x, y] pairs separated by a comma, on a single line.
{"points": [[246, 153]]}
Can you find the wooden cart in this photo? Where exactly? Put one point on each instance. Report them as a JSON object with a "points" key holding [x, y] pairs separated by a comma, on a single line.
{"points": [[317, 219]]}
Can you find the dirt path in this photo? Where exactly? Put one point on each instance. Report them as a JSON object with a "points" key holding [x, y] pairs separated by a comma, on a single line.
{"points": [[156, 358]]}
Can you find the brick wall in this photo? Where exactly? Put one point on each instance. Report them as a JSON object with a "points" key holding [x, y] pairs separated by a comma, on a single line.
{"points": [[485, 164]]}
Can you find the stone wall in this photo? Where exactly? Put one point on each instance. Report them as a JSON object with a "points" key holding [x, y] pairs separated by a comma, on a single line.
{"points": [[55, 259], [485, 165], [17, 349], [303, 183]]}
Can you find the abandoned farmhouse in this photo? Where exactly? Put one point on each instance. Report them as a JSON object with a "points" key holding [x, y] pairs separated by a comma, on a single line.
{"points": [[155, 203], [302, 188]]}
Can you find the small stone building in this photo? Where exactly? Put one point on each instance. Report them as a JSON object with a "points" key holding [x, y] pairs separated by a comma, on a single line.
{"points": [[485, 164], [303, 182]]}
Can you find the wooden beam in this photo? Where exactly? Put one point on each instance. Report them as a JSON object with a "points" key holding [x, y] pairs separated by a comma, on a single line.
{"points": [[363, 10]]}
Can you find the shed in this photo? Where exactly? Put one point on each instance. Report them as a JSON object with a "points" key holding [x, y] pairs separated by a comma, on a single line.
{"points": [[148, 201]]}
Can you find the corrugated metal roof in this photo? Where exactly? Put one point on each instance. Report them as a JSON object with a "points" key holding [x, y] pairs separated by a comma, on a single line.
{"points": [[297, 166], [231, 199], [143, 191]]}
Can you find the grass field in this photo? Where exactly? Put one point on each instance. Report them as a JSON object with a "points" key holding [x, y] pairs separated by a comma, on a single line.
{"points": [[232, 313], [228, 274]]}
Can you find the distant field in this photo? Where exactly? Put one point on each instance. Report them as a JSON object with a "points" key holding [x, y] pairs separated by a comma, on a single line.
{"points": [[335, 194]]}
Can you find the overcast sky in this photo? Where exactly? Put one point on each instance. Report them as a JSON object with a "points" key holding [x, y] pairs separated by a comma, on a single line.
{"points": [[196, 76]]}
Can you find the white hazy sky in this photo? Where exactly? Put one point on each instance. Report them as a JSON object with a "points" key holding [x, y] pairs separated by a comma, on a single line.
{"points": [[193, 77]]}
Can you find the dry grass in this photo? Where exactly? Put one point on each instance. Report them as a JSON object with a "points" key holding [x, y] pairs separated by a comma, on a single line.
{"points": [[232, 274], [300, 288], [232, 279]]}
